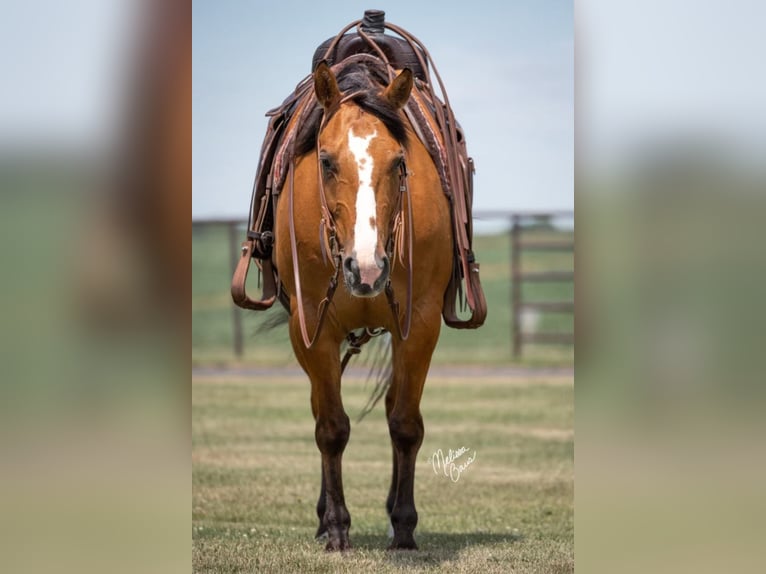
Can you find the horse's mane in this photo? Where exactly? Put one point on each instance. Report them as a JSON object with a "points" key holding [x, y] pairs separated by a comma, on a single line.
{"points": [[365, 79]]}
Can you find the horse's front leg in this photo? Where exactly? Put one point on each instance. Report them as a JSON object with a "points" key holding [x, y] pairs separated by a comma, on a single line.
{"points": [[405, 423], [391, 498], [322, 365], [321, 509]]}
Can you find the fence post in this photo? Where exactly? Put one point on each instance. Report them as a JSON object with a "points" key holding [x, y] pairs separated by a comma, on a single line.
{"points": [[516, 285], [234, 253]]}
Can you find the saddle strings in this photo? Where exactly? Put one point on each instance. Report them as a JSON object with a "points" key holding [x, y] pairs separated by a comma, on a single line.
{"points": [[395, 243]]}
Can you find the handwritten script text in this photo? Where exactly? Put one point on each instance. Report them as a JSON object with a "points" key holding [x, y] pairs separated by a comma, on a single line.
{"points": [[449, 465]]}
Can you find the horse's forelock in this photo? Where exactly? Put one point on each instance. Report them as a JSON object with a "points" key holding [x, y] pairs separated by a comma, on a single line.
{"points": [[368, 81]]}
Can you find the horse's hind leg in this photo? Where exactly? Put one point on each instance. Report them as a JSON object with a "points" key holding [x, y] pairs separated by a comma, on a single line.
{"points": [[405, 423], [322, 365]]}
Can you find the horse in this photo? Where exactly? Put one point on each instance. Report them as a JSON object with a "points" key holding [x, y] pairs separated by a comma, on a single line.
{"points": [[365, 207]]}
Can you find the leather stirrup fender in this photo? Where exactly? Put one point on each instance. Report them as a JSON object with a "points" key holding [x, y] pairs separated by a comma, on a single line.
{"points": [[238, 289]]}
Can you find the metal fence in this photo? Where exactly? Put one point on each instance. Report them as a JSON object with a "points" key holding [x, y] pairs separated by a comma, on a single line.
{"points": [[517, 223]]}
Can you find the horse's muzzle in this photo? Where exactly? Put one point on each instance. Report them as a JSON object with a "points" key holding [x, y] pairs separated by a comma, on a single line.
{"points": [[367, 281]]}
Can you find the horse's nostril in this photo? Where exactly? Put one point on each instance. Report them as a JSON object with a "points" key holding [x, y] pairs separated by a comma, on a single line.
{"points": [[366, 279], [350, 265]]}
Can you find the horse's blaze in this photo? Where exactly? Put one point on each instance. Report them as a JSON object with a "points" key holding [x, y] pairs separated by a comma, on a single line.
{"points": [[365, 228]]}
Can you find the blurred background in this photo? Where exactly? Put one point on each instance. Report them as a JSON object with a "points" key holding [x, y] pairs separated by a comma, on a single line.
{"points": [[670, 152], [95, 172]]}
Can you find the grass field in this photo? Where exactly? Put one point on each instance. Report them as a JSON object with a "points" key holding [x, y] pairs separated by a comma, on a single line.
{"points": [[212, 307], [256, 465], [256, 477]]}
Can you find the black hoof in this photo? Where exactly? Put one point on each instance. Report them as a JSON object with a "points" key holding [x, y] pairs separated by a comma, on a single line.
{"points": [[321, 532], [337, 545], [408, 544]]}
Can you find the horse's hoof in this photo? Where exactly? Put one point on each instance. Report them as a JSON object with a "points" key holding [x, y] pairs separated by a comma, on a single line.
{"points": [[403, 545], [321, 533], [337, 546]]}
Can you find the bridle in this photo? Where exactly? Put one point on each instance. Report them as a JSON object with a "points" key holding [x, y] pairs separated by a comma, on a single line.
{"points": [[328, 242]]}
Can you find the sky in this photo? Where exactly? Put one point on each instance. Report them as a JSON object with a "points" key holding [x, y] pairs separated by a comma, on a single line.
{"points": [[507, 68], [664, 76], [647, 73], [64, 86]]}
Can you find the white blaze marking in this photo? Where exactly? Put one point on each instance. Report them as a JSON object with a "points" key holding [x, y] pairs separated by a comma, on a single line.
{"points": [[365, 233]]}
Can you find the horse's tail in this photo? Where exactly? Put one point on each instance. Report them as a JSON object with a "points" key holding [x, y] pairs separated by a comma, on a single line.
{"points": [[273, 318], [378, 356], [381, 371]]}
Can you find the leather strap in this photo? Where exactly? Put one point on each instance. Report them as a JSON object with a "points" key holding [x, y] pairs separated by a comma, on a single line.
{"points": [[479, 311], [238, 290], [355, 344], [403, 332], [324, 303]]}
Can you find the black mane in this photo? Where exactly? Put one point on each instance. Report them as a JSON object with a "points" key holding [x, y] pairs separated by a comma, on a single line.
{"points": [[368, 80]]}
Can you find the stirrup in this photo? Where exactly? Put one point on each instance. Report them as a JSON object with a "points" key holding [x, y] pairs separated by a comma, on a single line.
{"points": [[238, 290]]}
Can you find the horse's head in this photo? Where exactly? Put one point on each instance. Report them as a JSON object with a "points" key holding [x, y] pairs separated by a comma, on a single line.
{"points": [[361, 156]]}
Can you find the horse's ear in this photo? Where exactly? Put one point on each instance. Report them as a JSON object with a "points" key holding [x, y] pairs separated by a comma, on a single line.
{"points": [[398, 91], [326, 86]]}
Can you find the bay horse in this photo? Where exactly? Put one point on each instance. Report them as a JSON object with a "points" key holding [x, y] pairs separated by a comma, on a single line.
{"points": [[366, 203]]}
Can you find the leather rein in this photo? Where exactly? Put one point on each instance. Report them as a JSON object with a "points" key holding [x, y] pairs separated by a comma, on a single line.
{"points": [[329, 246]]}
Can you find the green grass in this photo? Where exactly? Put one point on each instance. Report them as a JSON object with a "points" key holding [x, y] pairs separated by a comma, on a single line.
{"points": [[256, 479], [491, 344]]}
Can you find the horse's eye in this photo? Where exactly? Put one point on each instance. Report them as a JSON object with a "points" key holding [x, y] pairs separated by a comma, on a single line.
{"points": [[328, 166]]}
